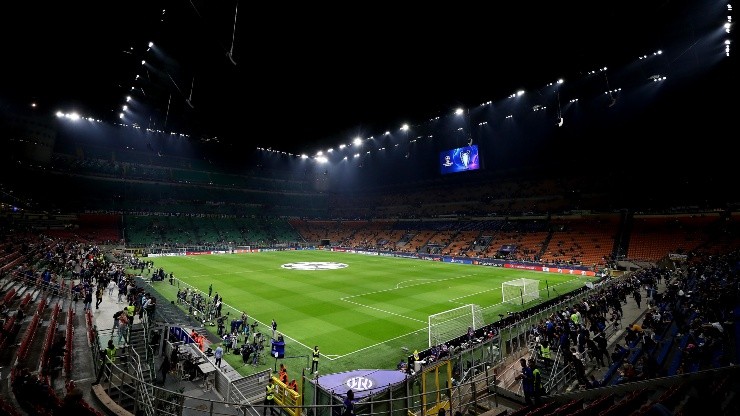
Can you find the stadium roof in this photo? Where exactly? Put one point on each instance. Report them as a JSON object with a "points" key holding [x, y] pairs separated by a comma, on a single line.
{"points": [[295, 77]]}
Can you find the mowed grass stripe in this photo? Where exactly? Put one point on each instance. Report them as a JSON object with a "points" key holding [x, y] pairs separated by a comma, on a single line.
{"points": [[363, 313]]}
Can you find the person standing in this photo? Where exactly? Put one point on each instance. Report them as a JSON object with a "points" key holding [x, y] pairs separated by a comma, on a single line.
{"points": [[218, 354], [110, 353], [210, 289], [164, 368], [527, 379], [88, 299], [269, 397], [116, 317], [111, 287], [235, 341], [122, 290], [601, 343], [219, 305], [545, 353], [349, 404], [283, 374], [150, 307], [274, 328], [537, 382], [595, 352], [315, 359], [245, 325], [123, 323], [130, 312], [99, 296], [577, 365]]}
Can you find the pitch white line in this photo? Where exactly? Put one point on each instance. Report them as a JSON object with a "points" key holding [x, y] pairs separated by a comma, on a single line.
{"points": [[383, 311], [227, 274], [405, 287], [379, 343], [423, 329], [455, 300], [399, 284], [425, 281], [333, 357]]}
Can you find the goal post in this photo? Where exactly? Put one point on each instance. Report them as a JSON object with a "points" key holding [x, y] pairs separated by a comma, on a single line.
{"points": [[520, 291], [450, 324]]}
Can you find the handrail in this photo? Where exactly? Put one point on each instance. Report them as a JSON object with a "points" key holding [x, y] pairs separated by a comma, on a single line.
{"points": [[143, 390], [148, 349]]}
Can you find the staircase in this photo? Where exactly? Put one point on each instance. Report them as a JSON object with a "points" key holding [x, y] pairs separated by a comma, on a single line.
{"points": [[133, 361]]}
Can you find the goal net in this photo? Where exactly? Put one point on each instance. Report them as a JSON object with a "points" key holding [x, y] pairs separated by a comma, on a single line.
{"points": [[520, 291], [450, 324]]}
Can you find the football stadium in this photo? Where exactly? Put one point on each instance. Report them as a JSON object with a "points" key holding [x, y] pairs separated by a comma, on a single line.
{"points": [[562, 241]]}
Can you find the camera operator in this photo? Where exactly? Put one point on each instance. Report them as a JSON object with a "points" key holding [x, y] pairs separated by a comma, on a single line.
{"points": [[220, 322], [246, 351]]}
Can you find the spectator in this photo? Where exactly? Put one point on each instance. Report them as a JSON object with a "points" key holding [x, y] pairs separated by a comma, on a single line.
{"points": [[87, 299], [527, 379], [123, 323], [111, 287], [627, 373], [592, 382], [150, 307], [98, 296], [580, 370], [595, 352], [122, 290], [72, 404]]}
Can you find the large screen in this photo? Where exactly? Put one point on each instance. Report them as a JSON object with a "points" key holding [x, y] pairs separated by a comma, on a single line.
{"points": [[460, 159]]}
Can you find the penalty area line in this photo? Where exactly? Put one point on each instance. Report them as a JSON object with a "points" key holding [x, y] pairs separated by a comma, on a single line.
{"points": [[400, 285], [379, 343]]}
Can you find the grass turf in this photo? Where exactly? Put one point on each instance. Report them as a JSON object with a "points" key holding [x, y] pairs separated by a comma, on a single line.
{"points": [[362, 315]]}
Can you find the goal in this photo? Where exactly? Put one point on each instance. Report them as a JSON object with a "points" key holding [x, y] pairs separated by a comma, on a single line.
{"points": [[450, 324], [520, 291]]}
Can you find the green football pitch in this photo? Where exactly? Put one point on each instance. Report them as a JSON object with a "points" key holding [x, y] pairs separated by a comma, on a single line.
{"points": [[362, 311]]}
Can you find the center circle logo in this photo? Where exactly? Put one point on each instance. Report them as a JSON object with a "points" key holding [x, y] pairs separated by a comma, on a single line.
{"points": [[314, 265]]}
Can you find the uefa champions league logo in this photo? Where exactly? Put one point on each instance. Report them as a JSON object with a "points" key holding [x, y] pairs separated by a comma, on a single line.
{"points": [[314, 265]]}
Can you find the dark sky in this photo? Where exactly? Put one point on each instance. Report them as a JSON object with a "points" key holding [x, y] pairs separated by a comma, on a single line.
{"points": [[315, 74]]}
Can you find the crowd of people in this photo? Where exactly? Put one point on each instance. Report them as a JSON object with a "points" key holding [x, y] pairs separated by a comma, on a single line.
{"points": [[698, 300], [51, 264]]}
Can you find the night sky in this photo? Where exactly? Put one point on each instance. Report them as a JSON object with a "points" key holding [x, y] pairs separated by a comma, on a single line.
{"points": [[310, 76]]}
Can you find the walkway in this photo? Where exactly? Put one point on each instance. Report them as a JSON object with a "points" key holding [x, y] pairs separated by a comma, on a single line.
{"points": [[83, 372]]}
